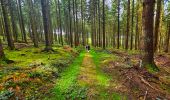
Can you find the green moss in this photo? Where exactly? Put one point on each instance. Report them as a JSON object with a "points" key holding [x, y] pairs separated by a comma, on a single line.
{"points": [[152, 68], [68, 78]]}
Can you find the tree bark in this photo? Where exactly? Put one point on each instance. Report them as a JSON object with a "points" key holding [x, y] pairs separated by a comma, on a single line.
{"points": [[13, 19], [104, 44], [4, 4], [128, 26], [32, 22], [118, 31], [45, 9], [148, 19], [60, 22], [132, 23], [22, 22], [157, 24]]}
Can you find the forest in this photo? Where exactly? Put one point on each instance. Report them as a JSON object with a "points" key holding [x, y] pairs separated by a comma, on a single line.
{"points": [[84, 50]]}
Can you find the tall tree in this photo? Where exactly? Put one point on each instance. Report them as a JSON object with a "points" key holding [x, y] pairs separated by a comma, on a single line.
{"points": [[22, 25], [128, 25], [4, 4], [118, 30], [148, 19], [99, 23], [32, 22], [157, 23], [132, 23], [12, 8], [45, 9], [60, 22], [70, 24], [104, 44]]}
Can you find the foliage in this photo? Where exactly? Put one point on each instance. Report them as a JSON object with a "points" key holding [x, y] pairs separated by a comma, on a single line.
{"points": [[5, 95]]}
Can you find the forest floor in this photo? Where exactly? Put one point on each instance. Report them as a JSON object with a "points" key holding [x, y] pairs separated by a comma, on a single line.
{"points": [[76, 74]]}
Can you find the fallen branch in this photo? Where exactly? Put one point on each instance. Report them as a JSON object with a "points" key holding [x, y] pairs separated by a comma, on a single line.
{"points": [[147, 83]]}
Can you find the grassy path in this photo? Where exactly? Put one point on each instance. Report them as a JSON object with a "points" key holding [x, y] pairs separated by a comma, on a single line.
{"points": [[68, 78], [84, 79]]}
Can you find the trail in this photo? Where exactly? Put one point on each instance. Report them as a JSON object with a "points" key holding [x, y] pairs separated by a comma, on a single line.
{"points": [[84, 73]]}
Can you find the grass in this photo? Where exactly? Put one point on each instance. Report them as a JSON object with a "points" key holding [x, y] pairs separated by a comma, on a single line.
{"points": [[33, 69], [68, 78], [103, 78]]}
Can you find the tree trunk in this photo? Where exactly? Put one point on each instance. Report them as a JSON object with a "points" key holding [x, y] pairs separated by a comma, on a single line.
{"points": [[148, 19], [128, 25], [13, 19], [157, 23], [45, 7], [22, 22], [4, 4], [99, 23], [118, 31], [104, 44], [132, 22], [32, 22], [60, 22], [70, 22]]}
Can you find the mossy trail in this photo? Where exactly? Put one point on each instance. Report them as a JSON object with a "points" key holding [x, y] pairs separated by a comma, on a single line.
{"points": [[85, 72], [68, 78]]}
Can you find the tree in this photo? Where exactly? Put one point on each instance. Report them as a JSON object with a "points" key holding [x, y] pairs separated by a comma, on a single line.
{"points": [[60, 22], [99, 22], [32, 22], [157, 23], [132, 23], [22, 26], [118, 30], [12, 8], [4, 4], [46, 19], [128, 25], [70, 24], [148, 19], [104, 44]]}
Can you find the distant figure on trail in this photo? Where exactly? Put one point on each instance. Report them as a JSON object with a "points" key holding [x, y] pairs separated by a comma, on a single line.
{"points": [[87, 48]]}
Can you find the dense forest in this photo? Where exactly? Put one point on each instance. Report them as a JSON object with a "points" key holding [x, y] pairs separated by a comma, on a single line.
{"points": [[85, 49]]}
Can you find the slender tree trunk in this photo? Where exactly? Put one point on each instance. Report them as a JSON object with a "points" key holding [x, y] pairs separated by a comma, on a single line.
{"points": [[99, 23], [77, 37], [45, 7], [104, 41], [4, 4], [148, 19], [131, 46], [13, 19], [118, 33], [157, 23], [70, 22], [32, 22], [60, 22], [128, 25], [82, 24], [22, 22]]}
